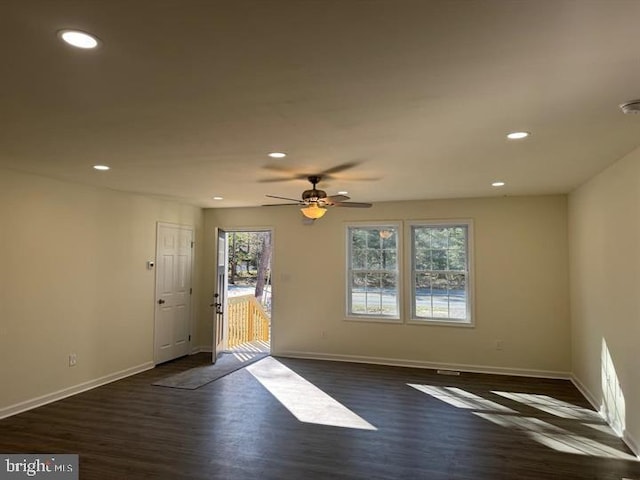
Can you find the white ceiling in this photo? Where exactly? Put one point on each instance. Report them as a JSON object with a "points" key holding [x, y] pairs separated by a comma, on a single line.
{"points": [[185, 98]]}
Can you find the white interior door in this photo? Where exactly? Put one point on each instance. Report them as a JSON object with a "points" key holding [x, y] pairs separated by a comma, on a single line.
{"points": [[174, 255], [220, 296]]}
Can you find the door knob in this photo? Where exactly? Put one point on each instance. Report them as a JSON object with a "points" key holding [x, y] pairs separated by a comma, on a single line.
{"points": [[161, 301]]}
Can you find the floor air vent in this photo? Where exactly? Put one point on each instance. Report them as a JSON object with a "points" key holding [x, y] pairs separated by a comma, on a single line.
{"points": [[448, 372]]}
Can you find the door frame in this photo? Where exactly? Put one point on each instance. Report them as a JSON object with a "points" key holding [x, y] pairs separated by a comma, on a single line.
{"points": [[216, 286], [191, 228], [228, 229]]}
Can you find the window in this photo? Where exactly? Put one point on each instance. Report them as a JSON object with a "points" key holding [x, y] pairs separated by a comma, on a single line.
{"points": [[441, 272], [372, 271]]}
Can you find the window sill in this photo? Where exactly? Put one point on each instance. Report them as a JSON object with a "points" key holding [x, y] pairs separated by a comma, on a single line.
{"points": [[441, 323], [373, 319]]}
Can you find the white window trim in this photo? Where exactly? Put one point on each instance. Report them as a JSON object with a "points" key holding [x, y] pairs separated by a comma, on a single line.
{"points": [[399, 262], [410, 278]]}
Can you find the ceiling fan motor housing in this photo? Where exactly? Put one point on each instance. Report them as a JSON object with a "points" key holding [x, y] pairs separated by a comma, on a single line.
{"points": [[314, 194]]}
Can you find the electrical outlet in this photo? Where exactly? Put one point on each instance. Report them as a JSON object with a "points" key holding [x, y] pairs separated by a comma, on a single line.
{"points": [[73, 359], [499, 345]]}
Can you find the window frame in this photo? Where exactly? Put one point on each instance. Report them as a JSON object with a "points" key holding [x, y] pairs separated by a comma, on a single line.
{"points": [[364, 317], [410, 273]]}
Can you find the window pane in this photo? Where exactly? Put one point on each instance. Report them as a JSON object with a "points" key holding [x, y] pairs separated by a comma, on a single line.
{"points": [[422, 260], [457, 296], [441, 267], [358, 238], [421, 238], [358, 288], [440, 296], [373, 238], [389, 295], [372, 281], [358, 304], [388, 260], [422, 305], [439, 237], [439, 259], [388, 236], [358, 281], [457, 237], [388, 282], [457, 259], [372, 251], [373, 259], [359, 259]]}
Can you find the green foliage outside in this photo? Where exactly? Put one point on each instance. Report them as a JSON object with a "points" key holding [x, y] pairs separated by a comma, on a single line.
{"points": [[250, 263]]}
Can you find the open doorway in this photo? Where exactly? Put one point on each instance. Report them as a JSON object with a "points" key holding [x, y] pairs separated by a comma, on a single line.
{"points": [[244, 288]]}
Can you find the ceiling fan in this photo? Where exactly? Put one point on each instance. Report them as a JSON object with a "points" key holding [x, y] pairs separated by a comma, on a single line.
{"points": [[314, 202]]}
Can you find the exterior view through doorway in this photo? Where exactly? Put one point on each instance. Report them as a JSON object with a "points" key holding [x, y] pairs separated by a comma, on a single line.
{"points": [[243, 298]]}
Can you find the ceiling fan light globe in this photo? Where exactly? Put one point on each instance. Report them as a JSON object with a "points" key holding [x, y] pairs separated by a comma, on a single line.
{"points": [[313, 211]]}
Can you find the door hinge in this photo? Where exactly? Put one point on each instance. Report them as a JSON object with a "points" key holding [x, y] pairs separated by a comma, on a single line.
{"points": [[191, 244], [189, 337], [191, 291]]}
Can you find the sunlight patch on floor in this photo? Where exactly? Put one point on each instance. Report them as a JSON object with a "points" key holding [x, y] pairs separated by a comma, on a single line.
{"points": [[555, 437], [257, 346], [545, 433], [245, 356], [303, 399], [460, 398], [602, 427], [552, 406]]}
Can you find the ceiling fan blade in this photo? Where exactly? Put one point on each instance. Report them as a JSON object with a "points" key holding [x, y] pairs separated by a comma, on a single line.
{"points": [[338, 168], [285, 198], [279, 204], [363, 179], [353, 204], [276, 167], [276, 179], [336, 198]]}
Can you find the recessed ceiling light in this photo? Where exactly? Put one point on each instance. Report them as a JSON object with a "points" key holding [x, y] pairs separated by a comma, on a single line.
{"points": [[343, 192], [218, 198], [517, 135], [497, 184], [277, 155], [101, 167], [79, 39]]}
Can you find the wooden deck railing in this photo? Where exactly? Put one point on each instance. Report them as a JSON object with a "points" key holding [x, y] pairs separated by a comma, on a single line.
{"points": [[248, 321]]}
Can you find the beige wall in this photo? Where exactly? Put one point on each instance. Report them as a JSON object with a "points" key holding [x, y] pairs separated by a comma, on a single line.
{"points": [[74, 279], [521, 273], [604, 226]]}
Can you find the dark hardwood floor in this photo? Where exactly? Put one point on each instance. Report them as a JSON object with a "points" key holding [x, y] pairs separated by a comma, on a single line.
{"points": [[427, 426]]}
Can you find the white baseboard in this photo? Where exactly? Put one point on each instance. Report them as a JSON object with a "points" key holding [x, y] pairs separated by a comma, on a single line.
{"points": [[69, 391], [586, 394], [521, 372], [202, 349]]}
